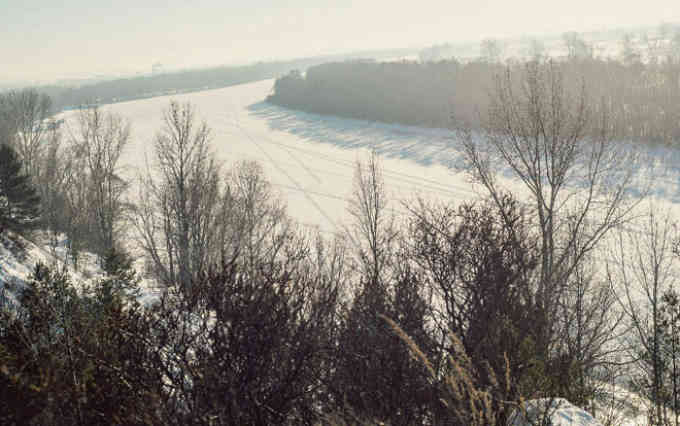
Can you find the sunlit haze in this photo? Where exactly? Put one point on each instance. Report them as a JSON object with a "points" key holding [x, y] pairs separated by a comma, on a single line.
{"points": [[48, 40]]}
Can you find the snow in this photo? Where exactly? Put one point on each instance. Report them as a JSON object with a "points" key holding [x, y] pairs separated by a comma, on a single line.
{"points": [[622, 407], [309, 159], [559, 411], [16, 266]]}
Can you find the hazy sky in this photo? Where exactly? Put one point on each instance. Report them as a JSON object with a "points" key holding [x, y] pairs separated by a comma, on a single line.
{"points": [[50, 39]]}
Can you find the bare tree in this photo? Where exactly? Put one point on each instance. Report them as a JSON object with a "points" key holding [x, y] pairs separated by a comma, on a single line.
{"points": [[591, 342], [252, 222], [373, 231], [577, 47], [561, 154], [28, 113], [491, 50], [479, 260], [179, 199], [643, 268], [7, 130], [629, 52], [374, 371], [77, 221], [251, 340], [535, 49], [675, 46], [100, 143], [53, 175]]}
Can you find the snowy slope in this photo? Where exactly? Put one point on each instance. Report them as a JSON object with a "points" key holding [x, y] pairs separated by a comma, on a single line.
{"points": [[16, 266], [560, 412]]}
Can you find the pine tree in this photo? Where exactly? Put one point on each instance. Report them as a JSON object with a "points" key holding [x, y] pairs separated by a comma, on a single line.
{"points": [[19, 202]]}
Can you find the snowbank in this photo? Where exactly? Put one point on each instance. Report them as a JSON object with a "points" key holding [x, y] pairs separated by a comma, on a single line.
{"points": [[559, 411]]}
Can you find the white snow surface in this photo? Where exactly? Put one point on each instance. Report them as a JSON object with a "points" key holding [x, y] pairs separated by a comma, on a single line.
{"points": [[559, 411], [16, 266], [310, 158]]}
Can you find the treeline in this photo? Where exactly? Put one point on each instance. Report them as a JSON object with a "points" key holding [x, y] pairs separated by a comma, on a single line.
{"points": [[644, 99], [156, 85], [169, 83], [425, 94], [449, 314]]}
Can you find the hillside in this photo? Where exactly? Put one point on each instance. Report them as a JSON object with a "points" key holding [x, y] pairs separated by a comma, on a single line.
{"points": [[19, 255]]}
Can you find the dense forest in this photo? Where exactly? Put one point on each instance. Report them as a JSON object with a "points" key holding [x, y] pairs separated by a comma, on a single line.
{"points": [[450, 314], [643, 98], [426, 94]]}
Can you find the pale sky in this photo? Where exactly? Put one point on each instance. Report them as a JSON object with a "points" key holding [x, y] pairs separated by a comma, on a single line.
{"points": [[51, 39]]}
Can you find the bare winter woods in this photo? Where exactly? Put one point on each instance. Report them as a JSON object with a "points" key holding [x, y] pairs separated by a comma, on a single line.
{"points": [[447, 314]]}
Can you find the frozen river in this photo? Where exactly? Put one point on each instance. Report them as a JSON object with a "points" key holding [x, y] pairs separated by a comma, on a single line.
{"points": [[309, 159]]}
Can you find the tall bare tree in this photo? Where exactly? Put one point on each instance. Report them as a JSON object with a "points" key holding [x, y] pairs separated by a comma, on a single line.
{"points": [[559, 149], [373, 231], [577, 47], [179, 199], [99, 145], [535, 49], [630, 54], [643, 266], [252, 221], [28, 113], [7, 131], [77, 218], [54, 173], [374, 371], [491, 50], [591, 342]]}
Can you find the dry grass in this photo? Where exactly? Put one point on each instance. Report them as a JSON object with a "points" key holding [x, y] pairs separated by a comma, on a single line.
{"points": [[464, 399], [466, 402]]}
